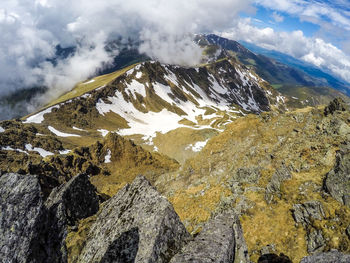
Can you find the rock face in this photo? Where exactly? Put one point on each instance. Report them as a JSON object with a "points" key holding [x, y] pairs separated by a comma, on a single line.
{"points": [[273, 258], [20, 217], [66, 204], [78, 197], [336, 105], [329, 257], [311, 210], [32, 230], [305, 214], [215, 243], [274, 186], [136, 225], [337, 181]]}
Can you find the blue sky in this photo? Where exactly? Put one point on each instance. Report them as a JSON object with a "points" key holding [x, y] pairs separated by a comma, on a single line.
{"points": [[315, 31], [329, 20], [267, 18]]}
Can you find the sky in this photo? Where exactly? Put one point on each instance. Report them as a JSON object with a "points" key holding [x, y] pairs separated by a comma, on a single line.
{"points": [[315, 31]]}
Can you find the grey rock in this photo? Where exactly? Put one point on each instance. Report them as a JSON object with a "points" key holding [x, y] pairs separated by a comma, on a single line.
{"points": [[304, 213], [215, 243], [269, 249], [337, 104], [348, 231], [31, 230], [75, 200], [20, 217], [327, 257], [315, 241], [247, 175], [337, 181], [136, 225], [78, 197], [241, 248], [274, 186]]}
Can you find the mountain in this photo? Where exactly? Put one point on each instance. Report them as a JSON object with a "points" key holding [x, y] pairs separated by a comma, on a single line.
{"points": [[311, 70], [148, 100], [232, 169], [281, 71]]}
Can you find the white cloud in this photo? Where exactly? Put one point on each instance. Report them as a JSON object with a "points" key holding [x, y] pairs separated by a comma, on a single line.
{"points": [[313, 50], [30, 31], [318, 11], [277, 17]]}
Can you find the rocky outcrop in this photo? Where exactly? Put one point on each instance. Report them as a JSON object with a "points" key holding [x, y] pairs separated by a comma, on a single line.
{"points": [[274, 186], [328, 257], [136, 225], [78, 197], [337, 181], [305, 214], [21, 216], [336, 105], [273, 258], [32, 230], [215, 243]]}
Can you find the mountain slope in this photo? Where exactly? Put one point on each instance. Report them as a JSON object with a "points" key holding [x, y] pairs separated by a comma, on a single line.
{"points": [[149, 100], [313, 71], [271, 169], [281, 74]]}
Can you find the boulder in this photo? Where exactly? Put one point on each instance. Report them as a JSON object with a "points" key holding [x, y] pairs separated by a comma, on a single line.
{"points": [[274, 186], [21, 217], [337, 181], [136, 225], [337, 104], [75, 200], [304, 213], [78, 196], [215, 243], [32, 230], [327, 257], [273, 258]]}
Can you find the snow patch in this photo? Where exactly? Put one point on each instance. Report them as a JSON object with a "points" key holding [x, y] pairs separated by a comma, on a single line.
{"points": [[108, 156], [197, 147], [1, 129], [65, 151], [138, 87], [103, 132], [61, 134], [39, 117], [78, 129], [41, 151], [8, 148], [138, 75], [89, 81]]}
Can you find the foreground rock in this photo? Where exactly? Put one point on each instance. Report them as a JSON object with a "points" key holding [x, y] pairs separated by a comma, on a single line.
{"points": [[77, 197], [32, 230], [328, 257], [337, 181], [215, 243], [21, 216], [136, 225]]}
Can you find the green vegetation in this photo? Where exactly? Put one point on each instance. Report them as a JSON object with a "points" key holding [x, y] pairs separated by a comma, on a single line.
{"points": [[87, 86]]}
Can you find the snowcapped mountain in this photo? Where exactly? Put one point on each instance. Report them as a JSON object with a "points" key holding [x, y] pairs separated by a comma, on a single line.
{"points": [[151, 98]]}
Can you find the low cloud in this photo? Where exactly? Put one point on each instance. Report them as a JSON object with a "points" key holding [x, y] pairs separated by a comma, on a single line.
{"points": [[31, 30]]}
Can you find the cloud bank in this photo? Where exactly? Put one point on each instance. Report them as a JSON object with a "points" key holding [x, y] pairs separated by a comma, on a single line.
{"points": [[310, 49], [31, 30]]}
